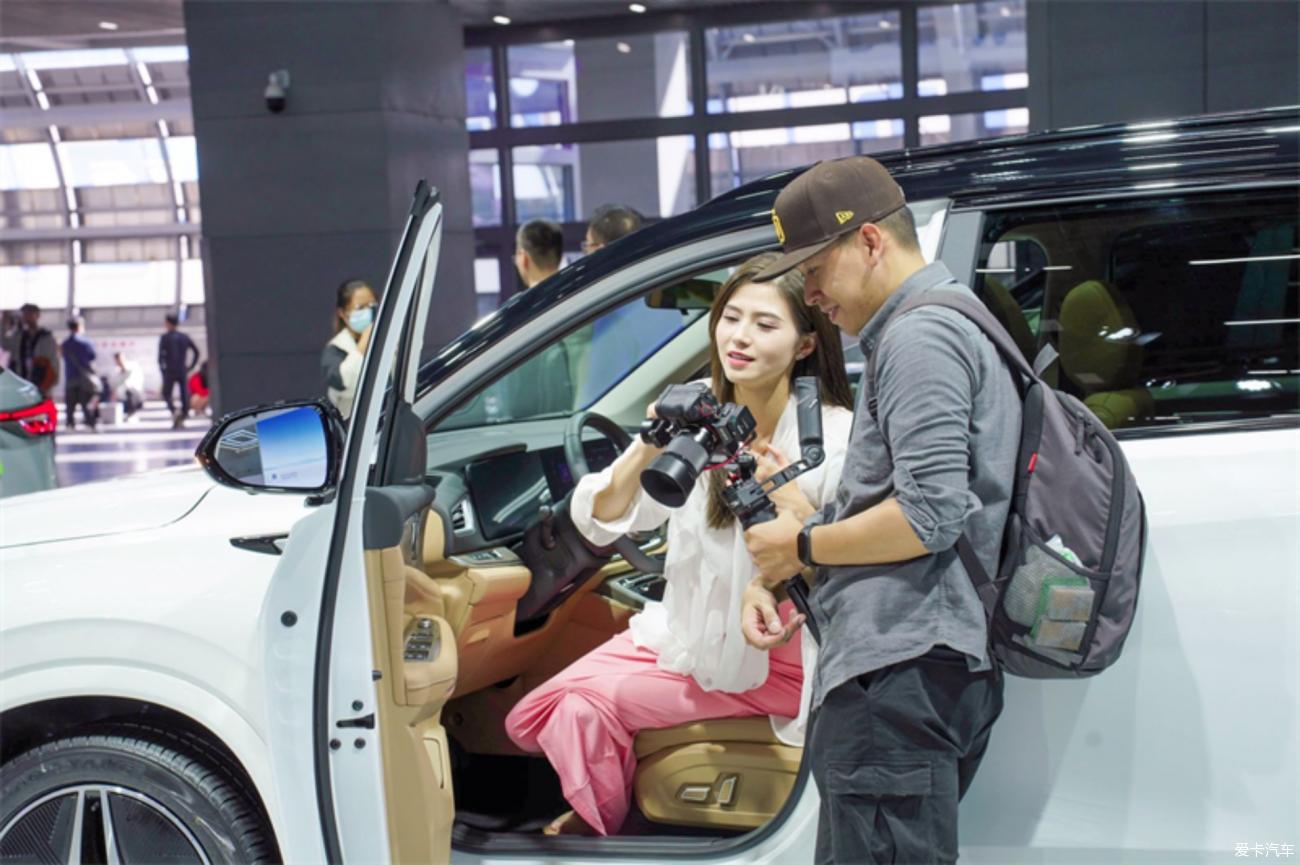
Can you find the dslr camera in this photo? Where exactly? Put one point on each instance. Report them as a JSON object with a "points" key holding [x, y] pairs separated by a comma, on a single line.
{"points": [[697, 433]]}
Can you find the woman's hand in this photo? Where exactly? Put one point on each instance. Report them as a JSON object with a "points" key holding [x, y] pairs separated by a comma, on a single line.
{"points": [[612, 503], [761, 622], [363, 341], [787, 497]]}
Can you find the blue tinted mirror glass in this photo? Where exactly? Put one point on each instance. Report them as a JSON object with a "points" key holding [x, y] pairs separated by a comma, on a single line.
{"points": [[285, 448]]}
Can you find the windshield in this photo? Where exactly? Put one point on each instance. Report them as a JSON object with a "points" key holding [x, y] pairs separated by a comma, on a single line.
{"points": [[573, 372]]}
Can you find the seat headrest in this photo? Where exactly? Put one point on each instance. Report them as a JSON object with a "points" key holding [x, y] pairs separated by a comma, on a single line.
{"points": [[1099, 338]]}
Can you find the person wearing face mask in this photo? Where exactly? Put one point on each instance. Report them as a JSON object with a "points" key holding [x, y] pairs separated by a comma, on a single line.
{"points": [[685, 658], [341, 360]]}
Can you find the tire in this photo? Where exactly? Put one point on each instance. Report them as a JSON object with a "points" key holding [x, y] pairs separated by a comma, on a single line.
{"points": [[152, 796]]}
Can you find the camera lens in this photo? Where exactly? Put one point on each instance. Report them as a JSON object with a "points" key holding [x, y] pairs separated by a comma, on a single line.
{"points": [[670, 478]]}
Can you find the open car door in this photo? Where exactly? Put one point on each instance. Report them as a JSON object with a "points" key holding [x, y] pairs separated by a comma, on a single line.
{"points": [[358, 659]]}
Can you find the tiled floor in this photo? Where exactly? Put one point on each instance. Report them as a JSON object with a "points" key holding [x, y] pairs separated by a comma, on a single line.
{"points": [[147, 442]]}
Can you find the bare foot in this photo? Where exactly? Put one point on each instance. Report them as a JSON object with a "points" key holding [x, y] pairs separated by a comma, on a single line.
{"points": [[569, 823]]}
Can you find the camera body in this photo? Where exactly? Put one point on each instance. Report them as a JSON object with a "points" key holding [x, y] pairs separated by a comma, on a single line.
{"points": [[694, 429]]}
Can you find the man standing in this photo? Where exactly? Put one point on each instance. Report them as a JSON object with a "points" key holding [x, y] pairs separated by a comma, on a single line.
{"points": [[33, 353], [175, 362], [539, 246], [82, 387], [904, 695]]}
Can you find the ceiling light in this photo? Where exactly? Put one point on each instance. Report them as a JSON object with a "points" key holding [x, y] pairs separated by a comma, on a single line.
{"points": [[43, 100], [107, 25], [152, 94], [886, 24], [750, 38], [568, 43], [54, 133], [500, 19], [636, 7], [1006, 11], [624, 48]]}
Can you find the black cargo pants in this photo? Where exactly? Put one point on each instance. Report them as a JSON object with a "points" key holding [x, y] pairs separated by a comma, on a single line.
{"points": [[892, 752]]}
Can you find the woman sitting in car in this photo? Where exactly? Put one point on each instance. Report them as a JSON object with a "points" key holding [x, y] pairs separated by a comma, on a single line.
{"points": [[685, 659]]}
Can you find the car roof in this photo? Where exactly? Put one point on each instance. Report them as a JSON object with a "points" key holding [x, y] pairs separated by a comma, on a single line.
{"points": [[1217, 150]]}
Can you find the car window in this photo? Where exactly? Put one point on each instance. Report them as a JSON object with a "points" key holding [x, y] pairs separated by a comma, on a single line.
{"points": [[1164, 313], [573, 372]]}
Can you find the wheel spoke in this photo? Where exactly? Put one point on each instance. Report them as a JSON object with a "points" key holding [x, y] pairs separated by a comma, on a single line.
{"points": [[110, 843], [78, 823]]}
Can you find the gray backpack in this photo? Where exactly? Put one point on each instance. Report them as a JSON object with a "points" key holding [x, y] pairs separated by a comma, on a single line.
{"points": [[1063, 599]]}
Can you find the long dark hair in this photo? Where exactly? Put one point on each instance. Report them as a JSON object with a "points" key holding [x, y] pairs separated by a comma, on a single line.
{"points": [[826, 361], [346, 289]]}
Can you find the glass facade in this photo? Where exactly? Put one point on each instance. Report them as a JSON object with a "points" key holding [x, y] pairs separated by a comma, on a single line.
{"points": [[556, 83], [945, 128], [613, 119], [566, 182], [964, 47], [798, 64], [110, 206]]}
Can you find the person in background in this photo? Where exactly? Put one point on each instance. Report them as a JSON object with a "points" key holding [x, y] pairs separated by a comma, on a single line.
{"points": [[176, 363], [199, 393], [82, 388], [33, 353], [354, 313], [608, 223], [539, 246], [128, 383]]}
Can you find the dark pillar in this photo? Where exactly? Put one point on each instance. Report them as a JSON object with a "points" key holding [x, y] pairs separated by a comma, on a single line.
{"points": [[1122, 61], [293, 203]]}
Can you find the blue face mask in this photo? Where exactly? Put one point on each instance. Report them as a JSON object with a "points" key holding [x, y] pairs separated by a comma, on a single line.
{"points": [[360, 319]]}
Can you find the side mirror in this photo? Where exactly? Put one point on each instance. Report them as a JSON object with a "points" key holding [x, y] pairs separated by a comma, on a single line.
{"points": [[289, 447]]}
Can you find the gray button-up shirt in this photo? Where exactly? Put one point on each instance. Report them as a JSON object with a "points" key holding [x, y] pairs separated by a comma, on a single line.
{"points": [[945, 447]]}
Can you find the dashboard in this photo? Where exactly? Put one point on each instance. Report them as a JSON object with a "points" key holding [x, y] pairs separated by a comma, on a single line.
{"points": [[508, 489]]}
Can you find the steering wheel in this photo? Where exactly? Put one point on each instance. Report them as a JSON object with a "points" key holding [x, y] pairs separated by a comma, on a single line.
{"points": [[577, 460], [573, 452]]}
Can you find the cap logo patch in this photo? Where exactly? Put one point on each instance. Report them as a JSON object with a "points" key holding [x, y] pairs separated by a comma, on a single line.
{"points": [[776, 223], [843, 216]]}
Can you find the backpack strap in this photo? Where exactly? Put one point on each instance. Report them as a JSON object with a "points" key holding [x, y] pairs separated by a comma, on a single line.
{"points": [[979, 314]]}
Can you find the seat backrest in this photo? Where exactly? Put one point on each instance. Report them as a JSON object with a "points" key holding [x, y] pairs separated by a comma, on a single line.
{"points": [[1008, 312], [1101, 352]]}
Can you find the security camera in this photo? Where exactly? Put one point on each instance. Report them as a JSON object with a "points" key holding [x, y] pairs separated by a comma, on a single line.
{"points": [[277, 90]]}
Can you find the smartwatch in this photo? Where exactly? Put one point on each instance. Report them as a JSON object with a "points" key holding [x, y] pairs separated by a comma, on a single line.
{"points": [[804, 546]]}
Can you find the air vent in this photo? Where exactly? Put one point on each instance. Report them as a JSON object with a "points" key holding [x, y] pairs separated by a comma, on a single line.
{"points": [[462, 518]]}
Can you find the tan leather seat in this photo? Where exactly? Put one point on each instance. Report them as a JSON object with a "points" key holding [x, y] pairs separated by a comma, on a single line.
{"points": [[1101, 353], [728, 773]]}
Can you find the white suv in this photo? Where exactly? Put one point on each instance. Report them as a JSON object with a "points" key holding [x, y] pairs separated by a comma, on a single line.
{"points": [[193, 673]]}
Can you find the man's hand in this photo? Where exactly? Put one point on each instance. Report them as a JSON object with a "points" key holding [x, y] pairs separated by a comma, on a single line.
{"points": [[761, 623], [772, 546]]}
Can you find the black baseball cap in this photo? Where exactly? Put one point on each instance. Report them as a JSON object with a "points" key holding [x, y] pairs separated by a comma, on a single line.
{"points": [[827, 201]]}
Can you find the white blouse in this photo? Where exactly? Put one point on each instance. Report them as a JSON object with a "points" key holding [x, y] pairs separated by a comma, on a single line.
{"points": [[695, 630]]}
